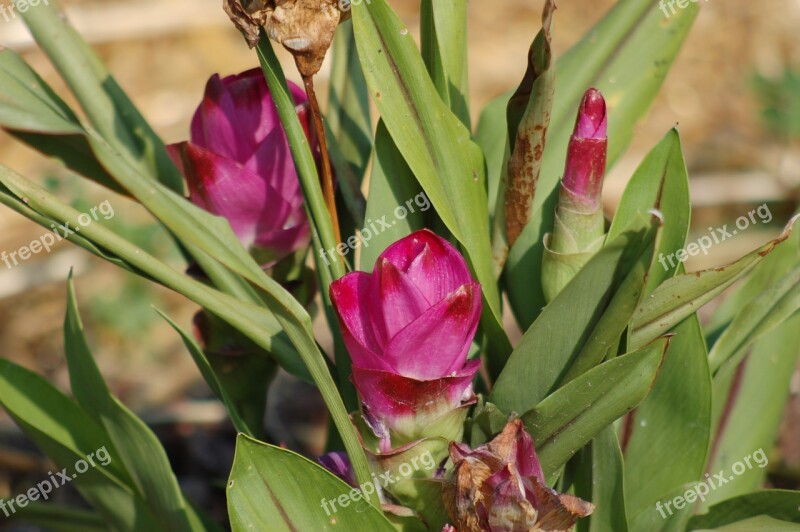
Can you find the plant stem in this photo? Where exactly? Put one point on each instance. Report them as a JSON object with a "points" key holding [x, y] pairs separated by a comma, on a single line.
{"points": [[326, 177]]}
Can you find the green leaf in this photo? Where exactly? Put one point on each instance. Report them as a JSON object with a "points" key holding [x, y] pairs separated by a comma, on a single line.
{"points": [[550, 346], [780, 505], [73, 152], [317, 210], [660, 182], [607, 333], [255, 322], [67, 434], [443, 32], [348, 115], [627, 56], [777, 303], [677, 298], [661, 517], [140, 451], [31, 111], [8, 199], [490, 135], [572, 415], [674, 420], [106, 105], [275, 489], [435, 144], [27, 103], [210, 376], [390, 184], [675, 416], [753, 411], [59, 518], [324, 241], [601, 479]]}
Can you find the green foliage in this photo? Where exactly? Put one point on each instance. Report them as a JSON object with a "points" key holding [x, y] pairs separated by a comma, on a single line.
{"points": [[610, 377]]}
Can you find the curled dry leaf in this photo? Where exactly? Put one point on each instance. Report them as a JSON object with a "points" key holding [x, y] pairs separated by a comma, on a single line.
{"points": [[304, 27]]}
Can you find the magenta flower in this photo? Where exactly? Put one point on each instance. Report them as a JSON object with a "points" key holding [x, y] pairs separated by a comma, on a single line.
{"points": [[238, 165], [500, 487], [408, 327]]}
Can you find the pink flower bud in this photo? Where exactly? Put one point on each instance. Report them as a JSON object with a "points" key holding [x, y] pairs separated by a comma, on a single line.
{"points": [[408, 327], [586, 154], [238, 165]]}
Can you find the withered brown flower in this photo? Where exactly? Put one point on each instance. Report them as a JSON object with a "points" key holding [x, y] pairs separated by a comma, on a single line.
{"points": [[500, 487], [304, 27]]}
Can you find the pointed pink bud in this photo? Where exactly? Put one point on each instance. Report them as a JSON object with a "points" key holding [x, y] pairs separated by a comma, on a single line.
{"points": [[238, 165], [592, 122], [586, 154], [408, 327]]}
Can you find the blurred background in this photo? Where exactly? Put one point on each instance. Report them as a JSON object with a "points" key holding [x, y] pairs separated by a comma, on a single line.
{"points": [[734, 93]]}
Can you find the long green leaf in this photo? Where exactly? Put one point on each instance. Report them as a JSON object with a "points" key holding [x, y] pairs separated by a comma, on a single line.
{"points": [[676, 414], [210, 376], [661, 517], [443, 32], [571, 416], [255, 322], [348, 113], [109, 109], [142, 454], [660, 182], [601, 479], [67, 434], [780, 505], [679, 297], [550, 346], [675, 419], [60, 519], [770, 309], [277, 490], [391, 184], [753, 411]]}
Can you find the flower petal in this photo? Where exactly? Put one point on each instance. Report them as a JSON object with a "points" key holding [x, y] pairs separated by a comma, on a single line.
{"points": [[237, 114], [213, 124], [225, 188], [273, 160], [436, 344], [431, 262], [349, 297], [515, 446], [394, 302]]}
